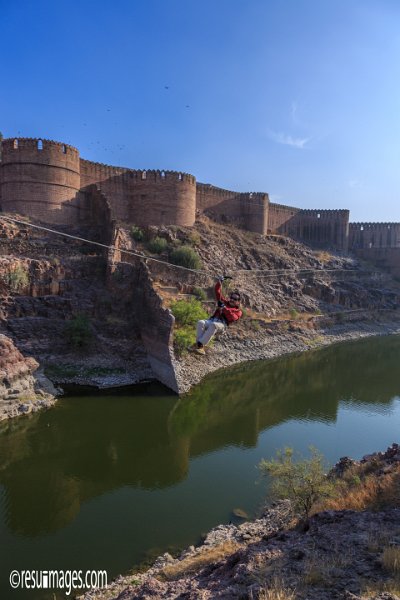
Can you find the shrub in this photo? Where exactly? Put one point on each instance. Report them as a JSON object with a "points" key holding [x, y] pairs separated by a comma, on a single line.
{"points": [[199, 293], [185, 256], [157, 245], [78, 332], [137, 233], [188, 312], [304, 482], [17, 279], [183, 338], [293, 313], [194, 238]]}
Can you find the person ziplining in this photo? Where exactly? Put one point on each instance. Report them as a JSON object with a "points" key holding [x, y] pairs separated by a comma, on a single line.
{"points": [[228, 311]]}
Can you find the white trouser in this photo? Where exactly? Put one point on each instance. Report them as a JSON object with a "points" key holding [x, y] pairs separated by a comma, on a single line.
{"points": [[206, 329]]}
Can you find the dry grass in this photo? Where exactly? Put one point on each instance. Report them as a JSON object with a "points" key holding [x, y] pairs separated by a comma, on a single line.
{"points": [[318, 568], [193, 564], [371, 589], [364, 488], [324, 256], [390, 560], [276, 591]]}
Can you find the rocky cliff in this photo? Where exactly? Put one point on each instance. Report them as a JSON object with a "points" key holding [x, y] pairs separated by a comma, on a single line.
{"points": [[100, 317], [22, 389]]}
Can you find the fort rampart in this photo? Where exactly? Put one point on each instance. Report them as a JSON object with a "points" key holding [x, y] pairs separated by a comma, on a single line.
{"points": [[374, 235], [246, 210], [49, 181]]}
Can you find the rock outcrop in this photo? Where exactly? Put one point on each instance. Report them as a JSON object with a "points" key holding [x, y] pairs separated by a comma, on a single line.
{"points": [[22, 390]]}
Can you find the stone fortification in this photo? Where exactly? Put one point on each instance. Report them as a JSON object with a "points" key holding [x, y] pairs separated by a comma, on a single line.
{"points": [[374, 235], [316, 227], [40, 178], [245, 210], [48, 181]]}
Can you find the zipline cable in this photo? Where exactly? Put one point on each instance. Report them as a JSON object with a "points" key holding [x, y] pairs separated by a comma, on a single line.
{"points": [[270, 272]]}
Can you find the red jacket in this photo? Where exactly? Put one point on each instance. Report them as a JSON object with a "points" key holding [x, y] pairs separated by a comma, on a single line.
{"points": [[225, 313]]}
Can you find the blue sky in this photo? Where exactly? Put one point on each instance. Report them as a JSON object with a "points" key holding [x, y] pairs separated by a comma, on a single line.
{"points": [[297, 98]]}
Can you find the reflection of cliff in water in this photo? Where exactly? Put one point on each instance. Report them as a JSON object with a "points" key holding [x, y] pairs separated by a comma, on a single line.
{"points": [[52, 462], [233, 406]]}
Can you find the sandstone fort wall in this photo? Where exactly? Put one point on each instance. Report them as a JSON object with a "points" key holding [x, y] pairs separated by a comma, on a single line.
{"points": [[49, 181], [40, 178], [246, 210], [374, 235]]}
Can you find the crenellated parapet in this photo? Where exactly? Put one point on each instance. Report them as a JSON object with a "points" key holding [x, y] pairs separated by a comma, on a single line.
{"points": [[248, 210], [48, 180], [40, 178], [374, 235], [317, 227]]}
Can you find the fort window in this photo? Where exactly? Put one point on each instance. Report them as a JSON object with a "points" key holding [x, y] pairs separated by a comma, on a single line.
{"points": [[15, 144], [362, 228], [64, 149], [180, 176], [318, 215], [40, 145], [162, 174], [144, 175]]}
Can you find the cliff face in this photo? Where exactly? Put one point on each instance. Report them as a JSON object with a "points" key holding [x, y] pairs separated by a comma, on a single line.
{"points": [[100, 317], [21, 391]]}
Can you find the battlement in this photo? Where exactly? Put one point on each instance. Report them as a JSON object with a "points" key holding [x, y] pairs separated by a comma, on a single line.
{"points": [[335, 212], [12, 148], [88, 167], [276, 206], [365, 225], [48, 180], [374, 235]]}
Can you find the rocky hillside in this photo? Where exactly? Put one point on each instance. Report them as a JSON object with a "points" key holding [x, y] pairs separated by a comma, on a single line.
{"points": [[101, 318], [344, 554]]}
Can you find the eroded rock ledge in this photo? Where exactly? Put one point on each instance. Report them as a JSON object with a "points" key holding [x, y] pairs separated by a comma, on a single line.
{"points": [[22, 388]]}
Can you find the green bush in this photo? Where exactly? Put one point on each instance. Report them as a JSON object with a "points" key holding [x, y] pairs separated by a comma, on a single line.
{"points": [[188, 312], [293, 313], [185, 256], [199, 293], [194, 238], [304, 482], [137, 233], [183, 338], [78, 332], [157, 245], [17, 279]]}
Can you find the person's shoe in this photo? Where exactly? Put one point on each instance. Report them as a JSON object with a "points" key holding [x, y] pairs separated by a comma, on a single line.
{"points": [[193, 348], [200, 351]]}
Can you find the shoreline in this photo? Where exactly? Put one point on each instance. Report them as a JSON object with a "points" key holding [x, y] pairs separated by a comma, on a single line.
{"points": [[229, 351], [344, 546]]}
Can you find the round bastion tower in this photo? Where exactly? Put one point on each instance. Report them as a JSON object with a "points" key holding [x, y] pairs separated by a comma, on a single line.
{"points": [[40, 179]]}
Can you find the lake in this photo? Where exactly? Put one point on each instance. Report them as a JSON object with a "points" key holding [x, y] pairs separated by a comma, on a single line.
{"points": [[109, 481]]}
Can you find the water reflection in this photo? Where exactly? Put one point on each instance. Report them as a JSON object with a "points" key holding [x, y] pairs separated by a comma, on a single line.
{"points": [[52, 462]]}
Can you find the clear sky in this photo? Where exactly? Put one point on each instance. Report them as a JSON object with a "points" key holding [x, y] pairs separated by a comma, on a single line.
{"points": [[297, 98]]}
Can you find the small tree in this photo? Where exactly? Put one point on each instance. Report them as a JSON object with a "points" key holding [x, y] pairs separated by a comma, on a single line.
{"points": [[304, 482], [78, 331]]}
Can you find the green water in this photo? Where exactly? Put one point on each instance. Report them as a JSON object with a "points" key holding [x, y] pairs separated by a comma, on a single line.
{"points": [[106, 482]]}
